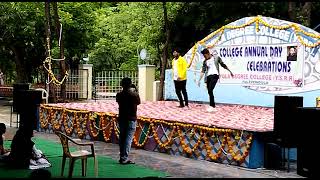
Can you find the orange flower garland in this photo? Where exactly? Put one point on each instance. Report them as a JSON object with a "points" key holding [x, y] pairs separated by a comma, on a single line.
{"points": [[56, 124], [79, 125], [92, 125], [184, 145], [106, 132], [107, 118], [65, 123], [115, 127], [209, 147], [136, 142], [236, 157], [258, 19], [157, 139], [44, 122]]}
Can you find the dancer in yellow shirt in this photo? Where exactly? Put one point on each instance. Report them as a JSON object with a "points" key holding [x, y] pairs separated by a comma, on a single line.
{"points": [[179, 68]]}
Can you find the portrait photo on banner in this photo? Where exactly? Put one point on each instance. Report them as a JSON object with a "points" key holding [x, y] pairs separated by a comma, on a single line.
{"points": [[292, 53]]}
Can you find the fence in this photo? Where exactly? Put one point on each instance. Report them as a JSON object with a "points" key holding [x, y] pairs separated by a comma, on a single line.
{"points": [[76, 84], [107, 83]]}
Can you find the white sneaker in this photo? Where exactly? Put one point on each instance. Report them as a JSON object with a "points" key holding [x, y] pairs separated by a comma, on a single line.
{"points": [[211, 109]]}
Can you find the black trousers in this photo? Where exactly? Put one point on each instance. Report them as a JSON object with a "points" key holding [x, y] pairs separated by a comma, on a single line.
{"points": [[211, 83], [180, 86]]}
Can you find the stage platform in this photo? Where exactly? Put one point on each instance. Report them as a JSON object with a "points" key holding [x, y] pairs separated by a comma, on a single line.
{"points": [[226, 136], [239, 117]]}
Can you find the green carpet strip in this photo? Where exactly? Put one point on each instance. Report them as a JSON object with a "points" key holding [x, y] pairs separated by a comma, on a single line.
{"points": [[107, 167]]}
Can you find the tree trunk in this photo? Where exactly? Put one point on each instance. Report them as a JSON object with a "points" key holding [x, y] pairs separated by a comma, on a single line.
{"points": [[164, 52], [62, 62], [159, 56], [22, 74], [292, 12], [306, 13], [50, 87]]}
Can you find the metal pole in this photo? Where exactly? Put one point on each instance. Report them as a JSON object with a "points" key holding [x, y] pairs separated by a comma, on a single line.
{"points": [[316, 27], [48, 87]]}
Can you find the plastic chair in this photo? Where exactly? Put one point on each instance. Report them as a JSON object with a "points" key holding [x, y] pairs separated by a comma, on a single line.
{"points": [[45, 94], [73, 156]]}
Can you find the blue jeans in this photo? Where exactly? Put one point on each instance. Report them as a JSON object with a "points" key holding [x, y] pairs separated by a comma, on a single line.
{"points": [[127, 130]]}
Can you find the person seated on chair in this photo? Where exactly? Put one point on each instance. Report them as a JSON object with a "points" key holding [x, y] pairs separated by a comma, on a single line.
{"points": [[21, 149], [24, 154], [3, 151]]}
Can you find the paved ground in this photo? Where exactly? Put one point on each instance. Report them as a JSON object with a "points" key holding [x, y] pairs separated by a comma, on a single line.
{"points": [[176, 166]]}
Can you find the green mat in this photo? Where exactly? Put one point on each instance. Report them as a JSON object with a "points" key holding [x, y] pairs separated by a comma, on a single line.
{"points": [[49, 148], [108, 168]]}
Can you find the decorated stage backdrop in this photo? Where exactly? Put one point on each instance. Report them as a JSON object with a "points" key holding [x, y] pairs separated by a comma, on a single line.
{"points": [[256, 50], [221, 145]]}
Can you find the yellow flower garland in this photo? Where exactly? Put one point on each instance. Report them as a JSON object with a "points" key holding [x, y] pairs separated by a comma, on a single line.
{"points": [[44, 123], [257, 20], [56, 124], [236, 157], [112, 118], [79, 125], [136, 142], [209, 147], [157, 139], [92, 126], [106, 132], [68, 130], [184, 145], [116, 130]]}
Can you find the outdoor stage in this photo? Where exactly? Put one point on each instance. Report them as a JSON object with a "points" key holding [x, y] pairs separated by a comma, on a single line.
{"points": [[229, 135]]}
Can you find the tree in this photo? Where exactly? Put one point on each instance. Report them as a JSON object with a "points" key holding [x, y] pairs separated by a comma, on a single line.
{"points": [[300, 12], [50, 87], [164, 51], [20, 26], [126, 28], [60, 40]]}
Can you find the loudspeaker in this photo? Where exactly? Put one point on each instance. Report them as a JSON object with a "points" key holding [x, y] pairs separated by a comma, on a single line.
{"points": [[272, 156], [28, 114], [306, 150], [286, 120], [18, 96]]}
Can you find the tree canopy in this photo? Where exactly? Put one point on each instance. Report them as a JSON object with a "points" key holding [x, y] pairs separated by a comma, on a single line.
{"points": [[112, 33]]}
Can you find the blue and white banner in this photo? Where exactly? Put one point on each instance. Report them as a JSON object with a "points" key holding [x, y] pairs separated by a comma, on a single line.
{"points": [[255, 82], [262, 65]]}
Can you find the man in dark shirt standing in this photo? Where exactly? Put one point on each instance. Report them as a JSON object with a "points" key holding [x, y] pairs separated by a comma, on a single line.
{"points": [[128, 100]]}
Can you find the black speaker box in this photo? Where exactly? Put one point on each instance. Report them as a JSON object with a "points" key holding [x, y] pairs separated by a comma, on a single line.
{"points": [[28, 114], [18, 96], [286, 123], [272, 156], [307, 149]]}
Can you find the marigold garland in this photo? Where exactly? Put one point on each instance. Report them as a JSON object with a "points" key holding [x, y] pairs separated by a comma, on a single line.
{"points": [[209, 147], [110, 120], [184, 146], [257, 20], [107, 132], [44, 122], [157, 139], [55, 122], [92, 125], [69, 130], [115, 127], [136, 142], [79, 124], [236, 157]]}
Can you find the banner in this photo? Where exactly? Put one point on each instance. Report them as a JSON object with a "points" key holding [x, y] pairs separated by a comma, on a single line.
{"points": [[279, 65]]}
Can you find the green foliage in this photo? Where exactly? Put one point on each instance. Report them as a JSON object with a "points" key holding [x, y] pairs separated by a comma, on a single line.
{"points": [[21, 29], [113, 33], [126, 29]]}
